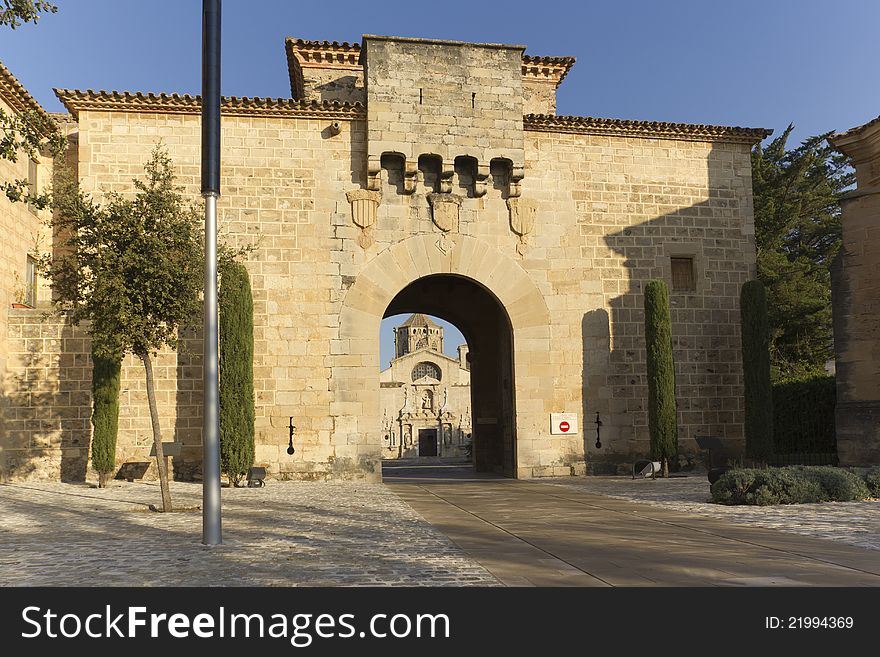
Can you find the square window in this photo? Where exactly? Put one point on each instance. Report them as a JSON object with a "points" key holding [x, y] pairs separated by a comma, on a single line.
{"points": [[683, 279]]}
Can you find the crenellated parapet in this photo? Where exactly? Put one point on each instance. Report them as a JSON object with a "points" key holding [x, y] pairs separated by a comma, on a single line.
{"points": [[444, 105]]}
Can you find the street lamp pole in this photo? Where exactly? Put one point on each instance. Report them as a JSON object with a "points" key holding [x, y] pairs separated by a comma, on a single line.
{"points": [[211, 530]]}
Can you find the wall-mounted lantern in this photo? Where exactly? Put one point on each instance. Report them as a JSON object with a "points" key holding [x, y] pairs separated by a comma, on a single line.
{"points": [[290, 449]]}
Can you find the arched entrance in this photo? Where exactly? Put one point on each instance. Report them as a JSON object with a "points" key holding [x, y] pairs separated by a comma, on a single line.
{"points": [[506, 320], [486, 327]]}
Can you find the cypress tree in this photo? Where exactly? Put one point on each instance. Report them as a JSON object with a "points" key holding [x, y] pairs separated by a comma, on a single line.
{"points": [[236, 372], [105, 415], [758, 391], [662, 421]]}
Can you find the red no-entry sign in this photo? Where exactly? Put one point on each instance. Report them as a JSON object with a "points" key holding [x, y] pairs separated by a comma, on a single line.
{"points": [[563, 423]]}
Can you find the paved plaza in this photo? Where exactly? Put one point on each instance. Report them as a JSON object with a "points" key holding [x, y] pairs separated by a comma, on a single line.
{"points": [[856, 523], [286, 534], [433, 526]]}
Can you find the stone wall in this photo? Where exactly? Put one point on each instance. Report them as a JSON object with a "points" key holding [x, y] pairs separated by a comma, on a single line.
{"points": [[611, 202], [856, 303], [48, 403]]}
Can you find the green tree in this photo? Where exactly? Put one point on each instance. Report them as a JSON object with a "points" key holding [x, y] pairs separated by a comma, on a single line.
{"points": [[662, 420], [758, 391], [797, 196], [29, 131], [236, 372], [15, 12], [133, 268], [105, 415]]}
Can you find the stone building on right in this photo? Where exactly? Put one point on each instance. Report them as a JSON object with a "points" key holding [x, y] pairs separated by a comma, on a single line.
{"points": [[856, 302]]}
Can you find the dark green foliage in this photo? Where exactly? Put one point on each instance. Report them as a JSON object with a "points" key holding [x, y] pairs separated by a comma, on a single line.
{"points": [[16, 12], [756, 371], [105, 415], [30, 131], [131, 266], [797, 231], [792, 485], [872, 479], [803, 416], [236, 372], [662, 421]]}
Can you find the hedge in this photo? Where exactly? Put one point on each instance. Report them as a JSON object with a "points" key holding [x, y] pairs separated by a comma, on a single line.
{"points": [[791, 485], [756, 371], [803, 416]]}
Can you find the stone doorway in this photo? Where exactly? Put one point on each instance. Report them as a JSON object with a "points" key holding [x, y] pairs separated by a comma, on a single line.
{"points": [[486, 327], [427, 442]]}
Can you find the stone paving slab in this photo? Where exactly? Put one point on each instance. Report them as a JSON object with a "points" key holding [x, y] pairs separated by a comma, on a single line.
{"points": [[534, 533], [286, 534], [856, 523]]}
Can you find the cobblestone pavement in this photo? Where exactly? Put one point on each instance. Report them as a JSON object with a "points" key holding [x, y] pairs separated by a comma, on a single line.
{"points": [[856, 523], [286, 534]]}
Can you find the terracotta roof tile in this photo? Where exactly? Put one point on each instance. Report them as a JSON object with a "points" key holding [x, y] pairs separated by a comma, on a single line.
{"points": [[547, 68], [323, 54], [418, 319], [651, 129], [77, 100], [852, 132], [18, 98]]}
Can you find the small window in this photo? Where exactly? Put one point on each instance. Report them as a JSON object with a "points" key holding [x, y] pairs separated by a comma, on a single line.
{"points": [[683, 279], [32, 183], [30, 294], [426, 369]]}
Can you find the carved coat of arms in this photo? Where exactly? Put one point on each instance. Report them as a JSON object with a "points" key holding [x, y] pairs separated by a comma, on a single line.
{"points": [[522, 219], [364, 203], [445, 211]]}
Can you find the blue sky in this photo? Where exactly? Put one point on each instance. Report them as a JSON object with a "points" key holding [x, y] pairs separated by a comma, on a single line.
{"points": [[753, 63]]}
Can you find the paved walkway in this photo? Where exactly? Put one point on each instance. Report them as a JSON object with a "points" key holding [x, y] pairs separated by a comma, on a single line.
{"points": [[856, 523], [537, 534], [427, 526], [286, 534]]}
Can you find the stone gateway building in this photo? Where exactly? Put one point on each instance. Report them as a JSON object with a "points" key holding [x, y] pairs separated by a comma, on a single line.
{"points": [[426, 395], [418, 176], [856, 301]]}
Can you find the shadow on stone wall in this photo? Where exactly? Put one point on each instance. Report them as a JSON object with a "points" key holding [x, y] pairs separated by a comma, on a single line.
{"points": [[706, 323], [188, 407], [47, 401]]}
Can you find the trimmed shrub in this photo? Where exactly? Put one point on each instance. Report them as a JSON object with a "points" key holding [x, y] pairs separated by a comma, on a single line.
{"points": [[792, 485], [236, 372], [803, 415], [105, 416], [662, 421], [756, 371], [872, 479]]}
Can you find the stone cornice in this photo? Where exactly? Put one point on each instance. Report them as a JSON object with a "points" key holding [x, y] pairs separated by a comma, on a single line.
{"points": [[549, 69], [17, 97], [123, 101], [650, 129], [318, 54], [860, 143]]}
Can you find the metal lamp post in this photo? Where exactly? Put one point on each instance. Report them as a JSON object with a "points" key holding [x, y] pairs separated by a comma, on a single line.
{"points": [[211, 530]]}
